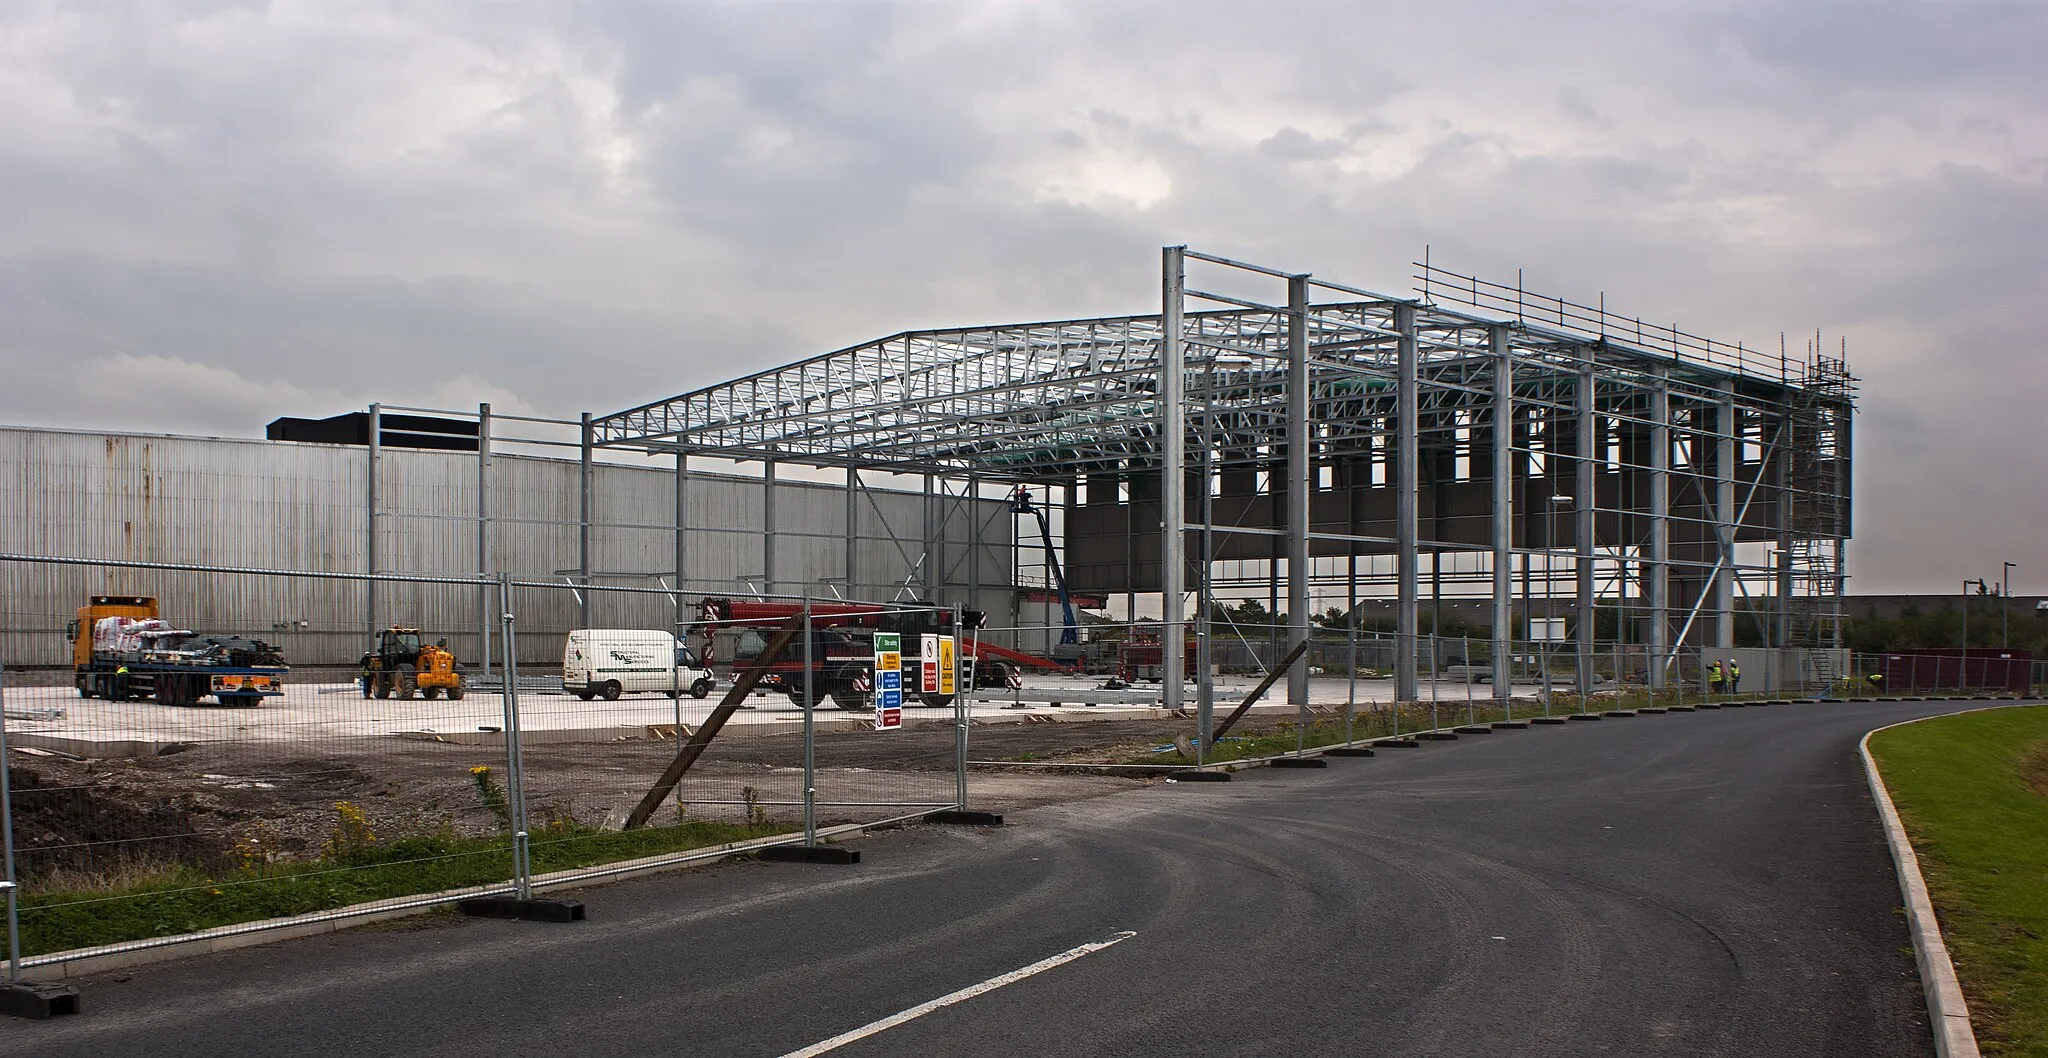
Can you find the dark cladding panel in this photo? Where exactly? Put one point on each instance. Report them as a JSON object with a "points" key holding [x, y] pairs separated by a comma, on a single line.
{"points": [[400, 431]]}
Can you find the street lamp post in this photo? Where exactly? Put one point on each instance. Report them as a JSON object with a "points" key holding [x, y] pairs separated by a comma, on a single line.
{"points": [[2005, 605], [1963, 676]]}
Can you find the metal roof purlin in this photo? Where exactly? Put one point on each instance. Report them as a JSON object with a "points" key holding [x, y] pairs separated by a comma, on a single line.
{"points": [[1047, 399]]}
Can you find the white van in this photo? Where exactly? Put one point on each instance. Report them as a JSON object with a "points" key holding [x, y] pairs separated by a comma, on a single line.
{"points": [[614, 661]]}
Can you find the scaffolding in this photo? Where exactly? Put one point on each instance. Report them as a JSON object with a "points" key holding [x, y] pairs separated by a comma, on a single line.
{"points": [[1271, 429], [1819, 521]]}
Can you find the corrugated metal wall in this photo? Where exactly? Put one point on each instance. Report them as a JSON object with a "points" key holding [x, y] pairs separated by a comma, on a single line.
{"points": [[281, 505]]}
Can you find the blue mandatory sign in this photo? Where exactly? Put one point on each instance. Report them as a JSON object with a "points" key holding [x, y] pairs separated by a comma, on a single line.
{"points": [[889, 698], [892, 681]]}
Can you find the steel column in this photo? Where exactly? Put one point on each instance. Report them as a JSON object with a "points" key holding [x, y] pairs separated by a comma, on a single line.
{"points": [[1406, 433], [483, 536], [962, 714], [682, 538], [1503, 509], [1782, 472], [1658, 583], [1724, 516], [7, 878], [931, 545], [852, 533], [583, 480], [1172, 503], [1300, 486], [1584, 526], [810, 732], [1840, 578], [376, 454], [974, 536], [515, 756], [1205, 588], [768, 527]]}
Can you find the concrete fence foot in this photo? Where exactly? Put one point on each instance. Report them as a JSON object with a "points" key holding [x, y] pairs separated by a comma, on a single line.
{"points": [[31, 999]]}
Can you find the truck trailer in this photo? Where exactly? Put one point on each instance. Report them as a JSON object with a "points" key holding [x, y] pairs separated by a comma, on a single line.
{"points": [[121, 650], [842, 651]]}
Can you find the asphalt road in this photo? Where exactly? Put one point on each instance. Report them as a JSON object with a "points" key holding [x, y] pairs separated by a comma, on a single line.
{"points": [[1702, 884]]}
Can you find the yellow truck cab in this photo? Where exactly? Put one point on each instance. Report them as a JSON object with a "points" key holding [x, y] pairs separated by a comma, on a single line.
{"points": [[79, 632]]}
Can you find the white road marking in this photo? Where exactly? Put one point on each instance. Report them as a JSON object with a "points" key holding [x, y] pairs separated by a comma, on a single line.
{"points": [[962, 995]]}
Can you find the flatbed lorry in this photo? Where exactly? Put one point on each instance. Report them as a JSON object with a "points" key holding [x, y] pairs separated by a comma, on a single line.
{"points": [[122, 650], [842, 649]]}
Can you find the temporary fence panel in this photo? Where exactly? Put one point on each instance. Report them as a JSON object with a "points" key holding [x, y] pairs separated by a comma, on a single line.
{"points": [[593, 750], [187, 777]]}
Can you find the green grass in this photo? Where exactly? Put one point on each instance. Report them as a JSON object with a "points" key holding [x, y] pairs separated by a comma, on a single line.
{"points": [[1371, 721], [182, 900], [1972, 791]]}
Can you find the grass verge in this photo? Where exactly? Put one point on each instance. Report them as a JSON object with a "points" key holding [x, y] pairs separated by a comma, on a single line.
{"points": [[1371, 721], [1972, 791], [183, 900]]}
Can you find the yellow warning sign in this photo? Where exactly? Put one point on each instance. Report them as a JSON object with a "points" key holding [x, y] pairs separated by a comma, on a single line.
{"points": [[946, 665]]}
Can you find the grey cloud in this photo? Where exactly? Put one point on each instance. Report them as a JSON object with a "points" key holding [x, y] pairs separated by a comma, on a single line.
{"points": [[799, 176], [1889, 45], [367, 338], [1293, 145]]}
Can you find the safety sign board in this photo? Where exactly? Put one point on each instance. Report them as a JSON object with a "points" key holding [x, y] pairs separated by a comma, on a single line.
{"points": [[946, 665], [928, 661], [888, 681]]}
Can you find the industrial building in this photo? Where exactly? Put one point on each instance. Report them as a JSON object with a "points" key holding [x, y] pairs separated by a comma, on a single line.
{"points": [[1521, 446], [1263, 434], [259, 505]]}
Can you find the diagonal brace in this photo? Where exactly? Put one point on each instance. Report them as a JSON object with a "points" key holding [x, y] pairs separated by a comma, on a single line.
{"points": [[742, 686], [1266, 684]]}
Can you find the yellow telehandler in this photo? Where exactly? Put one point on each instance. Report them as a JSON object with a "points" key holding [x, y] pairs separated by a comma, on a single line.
{"points": [[403, 665]]}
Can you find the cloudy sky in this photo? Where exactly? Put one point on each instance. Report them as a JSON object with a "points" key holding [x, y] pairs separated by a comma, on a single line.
{"points": [[212, 214]]}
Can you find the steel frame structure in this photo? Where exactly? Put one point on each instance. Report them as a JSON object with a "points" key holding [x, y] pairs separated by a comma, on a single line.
{"points": [[1333, 422]]}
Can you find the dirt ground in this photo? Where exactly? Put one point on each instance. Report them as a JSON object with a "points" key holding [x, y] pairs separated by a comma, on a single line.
{"points": [[217, 806]]}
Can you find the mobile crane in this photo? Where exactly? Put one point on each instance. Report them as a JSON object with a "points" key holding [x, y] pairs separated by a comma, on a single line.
{"points": [[1020, 503]]}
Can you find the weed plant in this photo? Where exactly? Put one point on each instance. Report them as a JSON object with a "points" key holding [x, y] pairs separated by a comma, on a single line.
{"points": [[356, 866]]}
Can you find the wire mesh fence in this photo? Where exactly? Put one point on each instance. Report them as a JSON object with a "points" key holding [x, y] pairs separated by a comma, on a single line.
{"points": [[173, 770], [1929, 672], [167, 776]]}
